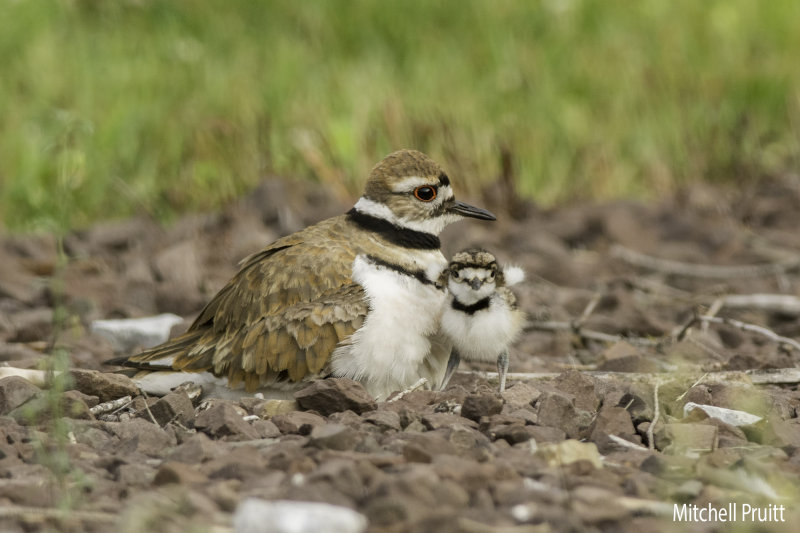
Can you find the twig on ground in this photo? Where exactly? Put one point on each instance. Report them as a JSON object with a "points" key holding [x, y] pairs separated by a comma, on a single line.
{"points": [[147, 408], [779, 303], [587, 311], [696, 383], [778, 376], [712, 311], [113, 405], [589, 334], [656, 413], [744, 326], [38, 513], [668, 266], [625, 443], [420, 383]]}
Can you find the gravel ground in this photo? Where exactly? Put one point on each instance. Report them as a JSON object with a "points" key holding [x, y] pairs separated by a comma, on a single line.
{"points": [[615, 295]]}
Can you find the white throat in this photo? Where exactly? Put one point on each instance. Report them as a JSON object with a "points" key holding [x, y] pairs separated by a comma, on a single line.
{"points": [[434, 226]]}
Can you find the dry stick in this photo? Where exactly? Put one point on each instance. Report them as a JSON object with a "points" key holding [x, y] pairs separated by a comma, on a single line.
{"points": [[712, 311], [625, 443], [38, 513], [696, 383], [744, 326], [667, 266], [588, 334], [147, 408], [587, 311], [419, 383], [779, 303], [777, 376], [650, 443], [109, 406]]}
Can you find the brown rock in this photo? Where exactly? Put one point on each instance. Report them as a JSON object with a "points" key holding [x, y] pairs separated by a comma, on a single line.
{"points": [[141, 436], [175, 406], [180, 473], [385, 420], [678, 438], [223, 420], [334, 437], [612, 421], [106, 386], [197, 449], [521, 395], [74, 405], [512, 433], [557, 409], [299, 422], [481, 404], [15, 391], [33, 325], [445, 420], [241, 463], [136, 475], [266, 429], [546, 434], [630, 363], [581, 387], [333, 395]]}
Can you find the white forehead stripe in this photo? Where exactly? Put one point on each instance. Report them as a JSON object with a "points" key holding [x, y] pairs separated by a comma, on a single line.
{"points": [[411, 182]]}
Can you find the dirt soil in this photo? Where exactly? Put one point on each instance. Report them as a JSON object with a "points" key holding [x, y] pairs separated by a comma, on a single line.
{"points": [[565, 449]]}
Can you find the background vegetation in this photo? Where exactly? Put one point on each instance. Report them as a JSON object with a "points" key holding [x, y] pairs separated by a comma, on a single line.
{"points": [[114, 107]]}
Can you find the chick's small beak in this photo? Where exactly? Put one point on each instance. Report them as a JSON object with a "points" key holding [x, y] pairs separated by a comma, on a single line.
{"points": [[466, 210], [475, 283]]}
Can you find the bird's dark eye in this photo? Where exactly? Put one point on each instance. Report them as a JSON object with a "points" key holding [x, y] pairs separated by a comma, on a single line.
{"points": [[455, 274], [491, 274], [426, 193]]}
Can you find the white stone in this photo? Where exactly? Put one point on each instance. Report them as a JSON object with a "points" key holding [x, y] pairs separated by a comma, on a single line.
{"points": [[282, 516], [729, 416], [128, 334]]}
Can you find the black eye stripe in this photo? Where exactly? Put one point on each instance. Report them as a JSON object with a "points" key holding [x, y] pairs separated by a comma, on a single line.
{"points": [[443, 180]]}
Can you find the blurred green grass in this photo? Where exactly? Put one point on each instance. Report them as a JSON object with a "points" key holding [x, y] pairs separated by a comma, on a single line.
{"points": [[116, 107]]}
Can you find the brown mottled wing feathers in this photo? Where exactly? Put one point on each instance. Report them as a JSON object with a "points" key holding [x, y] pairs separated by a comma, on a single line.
{"points": [[280, 316]]}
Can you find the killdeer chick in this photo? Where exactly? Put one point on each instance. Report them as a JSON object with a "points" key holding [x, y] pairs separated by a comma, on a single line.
{"points": [[481, 317], [354, 296]]}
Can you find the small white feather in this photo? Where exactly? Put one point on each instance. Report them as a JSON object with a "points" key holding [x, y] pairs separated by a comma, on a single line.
{"points": [[513, 274]]}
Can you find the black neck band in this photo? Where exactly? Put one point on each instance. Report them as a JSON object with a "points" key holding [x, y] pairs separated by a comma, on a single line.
{"points": [[407, 238], [471, 309]]}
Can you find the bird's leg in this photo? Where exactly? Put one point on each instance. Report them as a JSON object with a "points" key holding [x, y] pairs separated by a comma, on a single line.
{"points": [[502, 368], [452, 366]]}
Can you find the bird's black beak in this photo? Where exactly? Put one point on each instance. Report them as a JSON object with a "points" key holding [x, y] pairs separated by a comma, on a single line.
{"points": [[466, 210], [475, 283]]}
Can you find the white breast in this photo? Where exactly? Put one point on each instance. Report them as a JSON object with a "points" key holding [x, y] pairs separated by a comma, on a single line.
{"points": [[399, 342], [483, 335]]}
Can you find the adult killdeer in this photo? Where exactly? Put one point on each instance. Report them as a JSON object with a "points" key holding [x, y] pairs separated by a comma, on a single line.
{"points": [[481, 317], [353, 296]]}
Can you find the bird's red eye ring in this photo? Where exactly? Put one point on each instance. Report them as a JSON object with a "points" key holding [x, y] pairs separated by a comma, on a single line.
{"points": [[426, 193]]}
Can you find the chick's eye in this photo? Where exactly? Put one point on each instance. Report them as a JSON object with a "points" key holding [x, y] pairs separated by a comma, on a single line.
{"points": [[491, 274], [425, 193], [454, 273]]}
